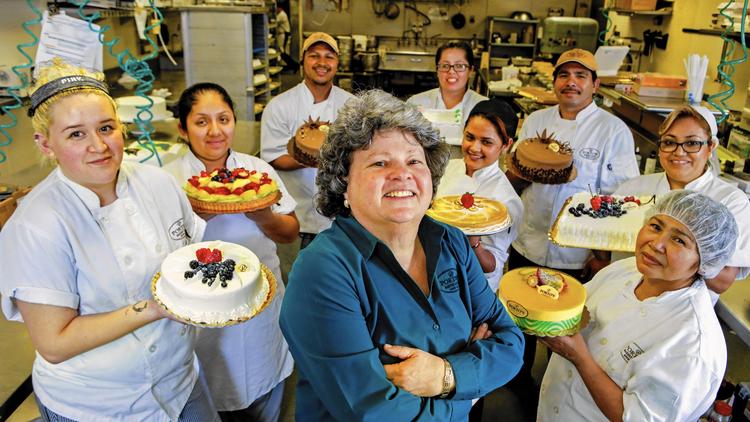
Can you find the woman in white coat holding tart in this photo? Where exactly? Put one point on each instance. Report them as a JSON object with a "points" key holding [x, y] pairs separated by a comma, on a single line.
{"points": [[488, 134], [245, 364]]}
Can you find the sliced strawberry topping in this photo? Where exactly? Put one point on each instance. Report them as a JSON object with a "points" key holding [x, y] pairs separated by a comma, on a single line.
{"points": [[203, 254], [194, 182], [215, 256], [222, 191], [238, 191]]}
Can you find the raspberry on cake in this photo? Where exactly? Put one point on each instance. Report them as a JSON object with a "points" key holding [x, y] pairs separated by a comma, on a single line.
{"points": [[543, 302], [474, 215], [542, 160], [602, 222], [213, 284], [231, 191], [306, 142]]}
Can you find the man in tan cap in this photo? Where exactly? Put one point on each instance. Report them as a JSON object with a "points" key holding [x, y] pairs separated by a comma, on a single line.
{"points": [[315, 97], [603, 155]]}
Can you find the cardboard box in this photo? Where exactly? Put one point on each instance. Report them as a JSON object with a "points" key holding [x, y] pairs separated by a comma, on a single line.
{"points": [[655, 91], [661, 81], [636, 4]]}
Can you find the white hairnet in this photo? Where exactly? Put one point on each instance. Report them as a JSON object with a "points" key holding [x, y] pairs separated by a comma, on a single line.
{"points": [[710, 119], [711, 223]]}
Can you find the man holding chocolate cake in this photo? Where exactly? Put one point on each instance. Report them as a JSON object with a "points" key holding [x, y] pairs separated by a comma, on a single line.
{"points": [[602, 148], [314, 98]]}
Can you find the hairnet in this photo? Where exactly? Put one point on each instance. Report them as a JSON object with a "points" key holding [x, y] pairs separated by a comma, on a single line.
{"points": [[711, 223], [709, 117]]}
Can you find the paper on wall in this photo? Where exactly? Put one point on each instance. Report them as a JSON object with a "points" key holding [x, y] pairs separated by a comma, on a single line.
{"points": [[70, 39]]}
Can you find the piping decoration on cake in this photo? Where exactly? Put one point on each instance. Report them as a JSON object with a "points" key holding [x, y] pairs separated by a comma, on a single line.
{"points": [[547, 283], [209, 263]]}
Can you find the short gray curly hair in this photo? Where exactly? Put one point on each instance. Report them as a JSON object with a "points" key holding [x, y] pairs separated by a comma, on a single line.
{"points": [[359, 120]]}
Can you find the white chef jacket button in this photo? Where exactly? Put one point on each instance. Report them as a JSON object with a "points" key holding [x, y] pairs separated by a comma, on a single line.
{"points": [[643, 312], [130, 209], [158, 248], [152, 349], [603, 341], [570, 373], [556, 410], [104, 219], [128, 260]]}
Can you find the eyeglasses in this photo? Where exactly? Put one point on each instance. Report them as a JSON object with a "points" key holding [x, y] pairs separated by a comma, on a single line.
{"points": [[668, 145], [458, 67]]}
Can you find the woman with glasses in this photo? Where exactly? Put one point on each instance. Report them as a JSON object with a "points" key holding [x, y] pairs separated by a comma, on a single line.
{"points": [[687, 138], [454, 62]]}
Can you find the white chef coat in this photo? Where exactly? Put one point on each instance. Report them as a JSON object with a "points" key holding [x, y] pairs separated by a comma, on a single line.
{"points": [[245, 361], [667, 353], [433, 99], [603, 156], [716, 189], [488, 182], [62, 248], [281, 118]]}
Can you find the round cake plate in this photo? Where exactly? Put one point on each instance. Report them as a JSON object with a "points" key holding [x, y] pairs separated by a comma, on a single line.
{"points": [[485, 232], [233, 207], [267, 277], [585, 317]]}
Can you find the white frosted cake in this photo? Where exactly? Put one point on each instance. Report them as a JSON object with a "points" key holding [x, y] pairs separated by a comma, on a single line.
{"points": [[127, 108], [602, 222], [212, 283]]}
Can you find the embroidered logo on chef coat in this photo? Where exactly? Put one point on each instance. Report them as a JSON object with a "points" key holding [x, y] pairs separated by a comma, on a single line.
{"points": [[448, 280], [631, 351], [590, 153], [177, 230]]}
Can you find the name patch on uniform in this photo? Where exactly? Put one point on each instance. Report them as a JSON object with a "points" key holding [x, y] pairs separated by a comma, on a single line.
{"points": [[631, 351], [589, 153], [448, 281], [177, 230]]}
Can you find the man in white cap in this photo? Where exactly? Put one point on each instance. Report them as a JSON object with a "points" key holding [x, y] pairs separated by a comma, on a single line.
{"points": [[315, 97], [603, 155]]}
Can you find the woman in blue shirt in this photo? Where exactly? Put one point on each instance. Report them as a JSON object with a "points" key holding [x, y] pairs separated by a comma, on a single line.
{"points": [[388, 313]]}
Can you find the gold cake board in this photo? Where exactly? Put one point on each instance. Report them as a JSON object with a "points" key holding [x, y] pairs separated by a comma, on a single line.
{"points": [[268, 277]]}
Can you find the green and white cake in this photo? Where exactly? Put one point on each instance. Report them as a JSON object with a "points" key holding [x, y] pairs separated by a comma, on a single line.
{"points": [[543, 302]]}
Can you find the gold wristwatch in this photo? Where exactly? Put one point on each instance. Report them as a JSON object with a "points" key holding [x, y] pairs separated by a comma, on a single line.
{"points": [[449, 380]]}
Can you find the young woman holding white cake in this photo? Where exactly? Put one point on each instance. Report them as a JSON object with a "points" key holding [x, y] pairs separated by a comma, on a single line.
{"points": [[245, 364], [687, 141], [488, 134], [78, 257], [653, 349]]}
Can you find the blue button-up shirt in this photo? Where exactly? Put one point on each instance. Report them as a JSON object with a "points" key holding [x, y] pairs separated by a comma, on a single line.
{"points": [[348, 296]]}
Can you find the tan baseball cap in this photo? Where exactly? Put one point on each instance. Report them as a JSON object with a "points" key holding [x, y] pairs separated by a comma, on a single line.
{"points": [[580, 56], [317, 37]]}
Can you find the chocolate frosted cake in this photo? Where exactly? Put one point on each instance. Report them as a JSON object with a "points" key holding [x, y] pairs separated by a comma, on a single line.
{"points": [[542, 160], [306, 143]]}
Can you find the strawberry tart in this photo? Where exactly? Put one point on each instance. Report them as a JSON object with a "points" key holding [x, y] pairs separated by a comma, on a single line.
{"points": [[474, 215], [213, 284], [231, 191]]}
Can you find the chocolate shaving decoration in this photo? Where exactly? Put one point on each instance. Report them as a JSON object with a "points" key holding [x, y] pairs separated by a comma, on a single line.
{"points": [[315, 124], [565, 147]]}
